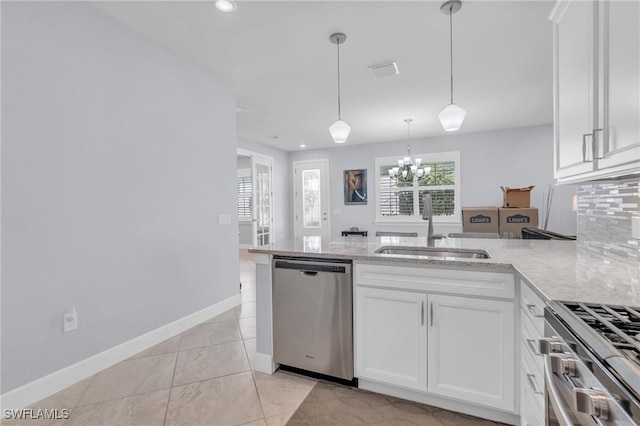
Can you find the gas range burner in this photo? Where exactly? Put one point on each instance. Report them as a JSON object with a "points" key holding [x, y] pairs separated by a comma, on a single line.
{"points": [[618, 325]]}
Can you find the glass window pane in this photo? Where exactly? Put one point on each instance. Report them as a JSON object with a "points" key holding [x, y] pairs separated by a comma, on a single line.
{"points": [[311, 213], [387, 182], [394, 203], [441, 174], [244, 196], [443, 202]]}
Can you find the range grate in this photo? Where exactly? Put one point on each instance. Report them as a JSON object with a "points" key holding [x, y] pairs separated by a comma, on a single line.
{"points": [[619, 325]]}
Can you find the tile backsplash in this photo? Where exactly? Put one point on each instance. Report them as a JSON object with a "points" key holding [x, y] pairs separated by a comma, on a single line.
{"points": [[605, 210]]}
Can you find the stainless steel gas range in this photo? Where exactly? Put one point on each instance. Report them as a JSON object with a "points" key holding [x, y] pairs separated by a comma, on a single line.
{"points": [[592, 364]]}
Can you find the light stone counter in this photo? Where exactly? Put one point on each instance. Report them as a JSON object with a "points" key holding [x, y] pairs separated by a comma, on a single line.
{"points": [[556, 270]]}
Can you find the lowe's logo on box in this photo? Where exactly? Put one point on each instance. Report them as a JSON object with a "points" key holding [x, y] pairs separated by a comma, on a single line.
{"points": [[480, 219], [517, 218]]}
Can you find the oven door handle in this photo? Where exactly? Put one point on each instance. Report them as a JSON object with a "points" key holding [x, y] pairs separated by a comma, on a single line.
{"points": [[554, 395]]}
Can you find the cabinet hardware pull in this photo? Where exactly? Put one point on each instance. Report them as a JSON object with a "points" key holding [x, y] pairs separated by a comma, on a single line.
{"points": [[422, 313], [533, 384], [534, 312], [584, 147], [532, 346], [594, 144], [431, 313]]}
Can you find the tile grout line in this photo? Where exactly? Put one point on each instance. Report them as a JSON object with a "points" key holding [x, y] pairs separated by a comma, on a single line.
{"points": [[175, 365]]}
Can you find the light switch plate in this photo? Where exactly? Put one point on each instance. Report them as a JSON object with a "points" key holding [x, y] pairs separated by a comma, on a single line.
{"points": [[635, 227]]}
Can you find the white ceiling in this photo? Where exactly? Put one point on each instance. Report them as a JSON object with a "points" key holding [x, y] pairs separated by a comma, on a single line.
{"points": [[278, 56]]}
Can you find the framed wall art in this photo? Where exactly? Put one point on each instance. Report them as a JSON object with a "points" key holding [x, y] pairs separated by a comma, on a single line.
{"points": [[355, 186]]}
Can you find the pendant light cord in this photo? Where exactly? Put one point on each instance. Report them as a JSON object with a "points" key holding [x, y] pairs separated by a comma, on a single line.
{"points": [[339, 116], [451, 47]]}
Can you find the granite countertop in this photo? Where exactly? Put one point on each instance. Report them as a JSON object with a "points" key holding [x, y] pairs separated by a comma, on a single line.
{"points": [[555, 269]]}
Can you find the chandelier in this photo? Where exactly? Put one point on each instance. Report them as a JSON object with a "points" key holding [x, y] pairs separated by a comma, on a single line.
{"points": [[409, 169]]}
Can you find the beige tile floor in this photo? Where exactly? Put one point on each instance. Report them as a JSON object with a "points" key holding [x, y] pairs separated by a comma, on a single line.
{"points": [[202, 377]]}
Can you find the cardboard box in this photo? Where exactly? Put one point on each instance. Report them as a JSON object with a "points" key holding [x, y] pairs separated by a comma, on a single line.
{"points": [[480, 219], [516, 197], [513, 220]]}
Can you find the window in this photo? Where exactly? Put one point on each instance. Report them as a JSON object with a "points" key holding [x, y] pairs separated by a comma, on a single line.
{"points": [[402, 202], [245, 203]]}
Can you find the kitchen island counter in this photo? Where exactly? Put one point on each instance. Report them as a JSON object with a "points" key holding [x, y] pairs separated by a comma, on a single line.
{"points": [[554, 269]]}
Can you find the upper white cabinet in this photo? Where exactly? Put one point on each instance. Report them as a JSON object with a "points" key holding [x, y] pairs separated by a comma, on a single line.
{"points": [[596, 89], [471, 350]]}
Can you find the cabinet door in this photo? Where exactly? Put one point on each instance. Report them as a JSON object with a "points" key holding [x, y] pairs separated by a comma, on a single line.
{"points": [[471, 349], [391, 337], [619, 143], [574, 85]]}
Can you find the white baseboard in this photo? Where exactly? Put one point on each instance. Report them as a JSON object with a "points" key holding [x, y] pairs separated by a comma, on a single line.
{"points": [[245, 246], [264, 363], [48, 385]]}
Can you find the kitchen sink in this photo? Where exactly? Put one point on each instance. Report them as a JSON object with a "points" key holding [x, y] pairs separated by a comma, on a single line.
{"points": [[434, 252]]}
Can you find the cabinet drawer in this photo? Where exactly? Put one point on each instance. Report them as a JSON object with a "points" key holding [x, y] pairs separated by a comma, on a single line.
{"points": [[532, 364], [531, 404], [490, 284], [530, 336], [532, 306]]}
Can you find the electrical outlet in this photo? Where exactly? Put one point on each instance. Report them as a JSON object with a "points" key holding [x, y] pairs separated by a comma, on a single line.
{"points": [[70, 320], [635, 227]]}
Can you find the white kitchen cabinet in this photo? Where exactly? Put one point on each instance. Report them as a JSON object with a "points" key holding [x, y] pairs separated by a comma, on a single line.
{"points": [[532, 368], [574, 88], [620, 82], [391, 337], [596, 89], [471, 367], [471, 350]]}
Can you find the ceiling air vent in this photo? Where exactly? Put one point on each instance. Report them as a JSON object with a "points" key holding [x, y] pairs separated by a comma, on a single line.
{"points": [[384, 70]]}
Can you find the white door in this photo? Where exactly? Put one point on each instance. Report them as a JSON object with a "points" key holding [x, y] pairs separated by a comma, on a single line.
{"points": [[391, 337], [471, 347], [262, 201], [311, 198]]}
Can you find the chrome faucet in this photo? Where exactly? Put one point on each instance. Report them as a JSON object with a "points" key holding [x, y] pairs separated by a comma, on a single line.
{"points": [[427, 214]]}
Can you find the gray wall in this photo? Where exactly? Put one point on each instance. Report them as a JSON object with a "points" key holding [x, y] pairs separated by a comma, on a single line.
{"points": [[112, 152], [281, 186], [512, 157]]}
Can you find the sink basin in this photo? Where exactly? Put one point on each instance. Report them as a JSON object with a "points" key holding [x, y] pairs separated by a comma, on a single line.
{"points": [[434, 252]]}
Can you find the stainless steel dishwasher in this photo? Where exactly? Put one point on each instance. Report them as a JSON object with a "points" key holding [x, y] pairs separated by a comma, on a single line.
{"points": [[313, 315]]}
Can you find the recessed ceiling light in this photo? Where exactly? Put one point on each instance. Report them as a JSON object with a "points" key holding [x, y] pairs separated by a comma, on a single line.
{"points": [[226, 5], [238, 109], [303, 146]]}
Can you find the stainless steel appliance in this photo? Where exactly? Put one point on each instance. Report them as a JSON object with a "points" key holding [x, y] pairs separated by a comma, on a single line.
{"points": [[313, 315], [592, 364]]}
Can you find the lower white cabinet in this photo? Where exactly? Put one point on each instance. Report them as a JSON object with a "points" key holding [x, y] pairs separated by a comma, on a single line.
{"points": [[448, 334], [391, 338], [471, 350]]}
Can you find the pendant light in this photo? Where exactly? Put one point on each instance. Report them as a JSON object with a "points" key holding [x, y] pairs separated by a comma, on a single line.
{"points": [[340, 129], [452, 115]]}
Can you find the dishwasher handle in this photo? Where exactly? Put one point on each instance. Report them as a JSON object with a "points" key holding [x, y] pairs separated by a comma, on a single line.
{"points": [[311, 267], [309, 273]]}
